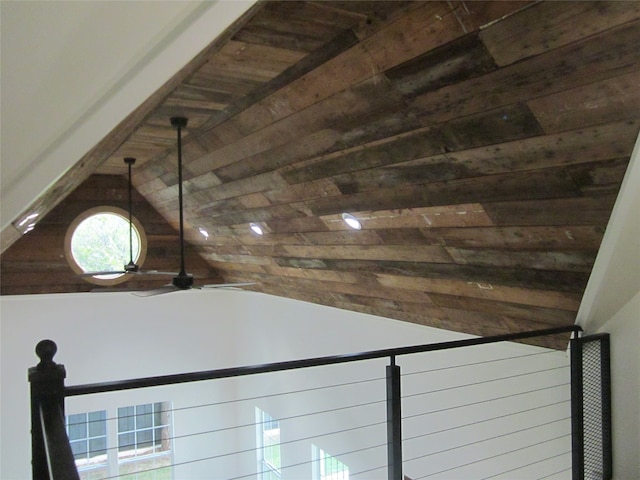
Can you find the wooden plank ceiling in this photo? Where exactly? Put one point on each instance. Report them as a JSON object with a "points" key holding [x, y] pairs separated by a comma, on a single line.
{"points": [[481, 144]]}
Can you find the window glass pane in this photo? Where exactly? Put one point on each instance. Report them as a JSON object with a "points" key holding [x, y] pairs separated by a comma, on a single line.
{"points": [[145, 434], [88, 440], [270, 444], [79, 449], [270, 475], [101, 242], [144, 438], [126, 419], [157, 415], [98, 446], [97, 423], [126, 441], [77, 426], [144, 418], [161, 439], [328, 467], [161, 414]]}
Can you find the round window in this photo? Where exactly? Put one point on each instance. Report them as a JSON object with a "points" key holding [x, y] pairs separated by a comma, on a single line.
{"points": [[99, 240]]}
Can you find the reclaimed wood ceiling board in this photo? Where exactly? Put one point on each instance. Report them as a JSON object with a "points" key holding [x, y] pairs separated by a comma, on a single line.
{"points": [[481, 144]]}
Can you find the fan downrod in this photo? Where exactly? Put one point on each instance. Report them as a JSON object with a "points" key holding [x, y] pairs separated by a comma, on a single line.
{"points": [[183, 280]]}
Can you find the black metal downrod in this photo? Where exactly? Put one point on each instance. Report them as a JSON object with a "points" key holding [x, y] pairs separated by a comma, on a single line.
{"points": [[182, 280], [131, 266]]}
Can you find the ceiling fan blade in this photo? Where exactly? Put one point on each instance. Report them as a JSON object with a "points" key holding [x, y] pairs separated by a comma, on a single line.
{"points": [[103, 272], [126, 272], [153, 272], [156, 291], [224, 285], [109, 290]]}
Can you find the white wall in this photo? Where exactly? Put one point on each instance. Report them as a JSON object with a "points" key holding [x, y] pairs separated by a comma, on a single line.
{"points": [[611, 304], [624, 329], [103, 337]]}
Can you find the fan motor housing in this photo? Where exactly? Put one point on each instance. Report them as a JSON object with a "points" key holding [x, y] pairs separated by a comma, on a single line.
{"points": [[183, 282]]}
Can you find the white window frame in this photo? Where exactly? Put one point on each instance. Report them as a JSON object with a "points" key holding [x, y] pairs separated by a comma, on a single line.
{"points": [[138, 232], [90, 462], [136, 451], [319, 465], [114, 461], [266, 469]]}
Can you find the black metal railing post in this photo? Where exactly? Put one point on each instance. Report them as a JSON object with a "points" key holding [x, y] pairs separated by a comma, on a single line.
{"points": [[577, 412], [605, 386], [394, 422], [51, 456], [596, 401]]}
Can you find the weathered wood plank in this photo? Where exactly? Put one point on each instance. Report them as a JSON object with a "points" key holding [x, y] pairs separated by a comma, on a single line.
{"points": [[399, 253], [325, 187], [480, 14], [297, 26], [528, 312], [541, 28], [580, 261], [368, 292], [297, 225], [359, 237], [257, 184], [602, 142], [601, 178], [538, 185], [364, 280], [458, 60], [606, 55], [560, 211], [230, 258], [335, 46], [563, 281], [465, 215], [278, 143], [525, 296], [348, 69], [607, 101], [521, 238], [373, 14], [243, 269], [486, 128]]}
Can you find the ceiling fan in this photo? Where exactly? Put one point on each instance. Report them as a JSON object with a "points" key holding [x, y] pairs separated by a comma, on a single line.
{"points": [[130, 268], [183, 280]]}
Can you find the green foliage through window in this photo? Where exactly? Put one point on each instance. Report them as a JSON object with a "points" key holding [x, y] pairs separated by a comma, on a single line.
{"points": [[101, 242], [327, 467]]}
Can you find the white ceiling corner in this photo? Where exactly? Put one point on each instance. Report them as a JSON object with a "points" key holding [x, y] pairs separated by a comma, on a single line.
{"points": [[71, 71]]}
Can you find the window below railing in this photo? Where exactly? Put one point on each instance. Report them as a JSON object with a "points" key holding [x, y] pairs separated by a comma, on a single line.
{"points": [[500, 411], [123, 441]]}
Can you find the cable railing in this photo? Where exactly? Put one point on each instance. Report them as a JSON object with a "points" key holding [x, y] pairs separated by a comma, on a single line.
{"points": [[419, 412]]}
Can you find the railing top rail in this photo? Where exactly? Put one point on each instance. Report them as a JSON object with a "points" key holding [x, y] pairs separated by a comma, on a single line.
{"points": [[164, 380]]}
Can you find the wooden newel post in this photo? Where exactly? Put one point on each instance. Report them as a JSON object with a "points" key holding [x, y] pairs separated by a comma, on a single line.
{"points": [[47, 393]]}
